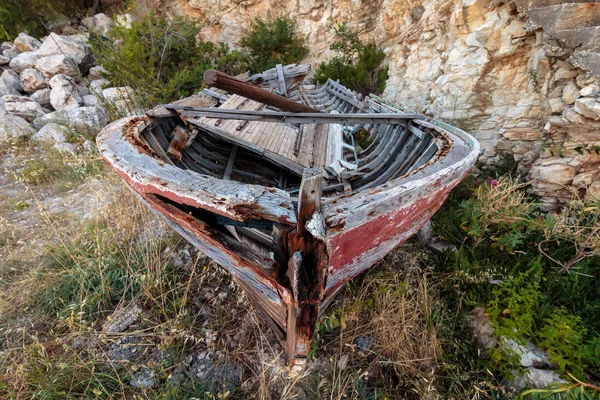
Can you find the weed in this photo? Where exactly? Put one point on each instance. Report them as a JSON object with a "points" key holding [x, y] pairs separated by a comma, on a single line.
{"points": [[356, 65], [273, 41]]}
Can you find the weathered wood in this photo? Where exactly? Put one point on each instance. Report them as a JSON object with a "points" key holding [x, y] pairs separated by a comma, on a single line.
{"points": [[296, 117], [307, 269], [290, 71], [233, 85], [281, 79], [214, 94], [329, 240], [276, 158]]}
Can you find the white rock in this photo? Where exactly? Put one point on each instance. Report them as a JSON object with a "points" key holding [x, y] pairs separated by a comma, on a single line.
{"points": [[68, 46], [42, 97], [87, 119], [9, 83], [32, 80], [10, 52], [118, 93], [99, 23], [90, 100], [23, 107], [570, 93], [24, 43], [96, 73], [58, 64], [4, 60], [96, 86], [88, 22], [23, 61], [589, 107], [535, 378], [52, 133], [64, 94], [14, 127]]}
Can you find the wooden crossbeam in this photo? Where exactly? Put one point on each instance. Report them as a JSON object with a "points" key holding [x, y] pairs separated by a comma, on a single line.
{"points": [[296, 118]]}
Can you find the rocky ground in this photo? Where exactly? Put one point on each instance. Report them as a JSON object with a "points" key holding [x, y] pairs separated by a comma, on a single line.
{"points": [[52, 89]]}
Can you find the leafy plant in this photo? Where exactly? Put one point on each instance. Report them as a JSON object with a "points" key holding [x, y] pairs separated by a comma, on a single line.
{"points": [[273, 41], [357, 65], [513, 305], [161, 59], [565, 338]]}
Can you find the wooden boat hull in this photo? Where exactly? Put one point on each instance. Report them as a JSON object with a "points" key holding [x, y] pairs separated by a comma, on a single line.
{"points": [[317, 242]]}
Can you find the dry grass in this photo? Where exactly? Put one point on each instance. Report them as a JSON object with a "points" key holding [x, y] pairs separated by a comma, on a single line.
{"points": [[104, 251]]}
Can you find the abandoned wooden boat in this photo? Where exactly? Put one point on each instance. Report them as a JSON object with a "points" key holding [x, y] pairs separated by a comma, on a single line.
{"points": [[294, 190]]}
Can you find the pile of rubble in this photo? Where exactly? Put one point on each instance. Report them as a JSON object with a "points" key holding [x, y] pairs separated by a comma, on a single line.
{"points": [[53, 88]]}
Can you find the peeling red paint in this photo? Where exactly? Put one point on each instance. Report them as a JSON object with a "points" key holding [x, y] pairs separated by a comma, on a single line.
{"points": [[352, 243]]}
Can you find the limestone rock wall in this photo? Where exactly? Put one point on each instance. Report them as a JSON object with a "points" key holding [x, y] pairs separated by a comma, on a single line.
{"points": [[482, 65]]}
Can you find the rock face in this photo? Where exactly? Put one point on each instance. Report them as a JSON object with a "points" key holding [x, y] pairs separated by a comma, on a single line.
{"points": [[515, 73]]}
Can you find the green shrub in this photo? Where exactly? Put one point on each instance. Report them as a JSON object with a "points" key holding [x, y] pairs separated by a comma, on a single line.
{"points": [[273, 41], [357, 65], [511, 259], [161, 59]]}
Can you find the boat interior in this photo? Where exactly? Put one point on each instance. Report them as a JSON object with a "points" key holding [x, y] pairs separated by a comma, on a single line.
{"points": [[352, 156]]}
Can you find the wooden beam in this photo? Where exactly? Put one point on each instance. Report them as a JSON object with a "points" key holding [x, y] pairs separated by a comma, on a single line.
{"points": [[307, 268], [294, 117], [232, 85]]}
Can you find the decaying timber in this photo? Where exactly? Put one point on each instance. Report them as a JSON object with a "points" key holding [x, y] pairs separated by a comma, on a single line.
{"points": [[295, 189]]}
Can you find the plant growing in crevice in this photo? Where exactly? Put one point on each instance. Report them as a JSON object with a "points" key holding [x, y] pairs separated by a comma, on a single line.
{"points": [[357, 65]]}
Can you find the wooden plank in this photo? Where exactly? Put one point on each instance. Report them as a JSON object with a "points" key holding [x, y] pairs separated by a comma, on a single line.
{"points": [[320, 147], [276, 158], [213, 93], [281, 79], [230, 162]]}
